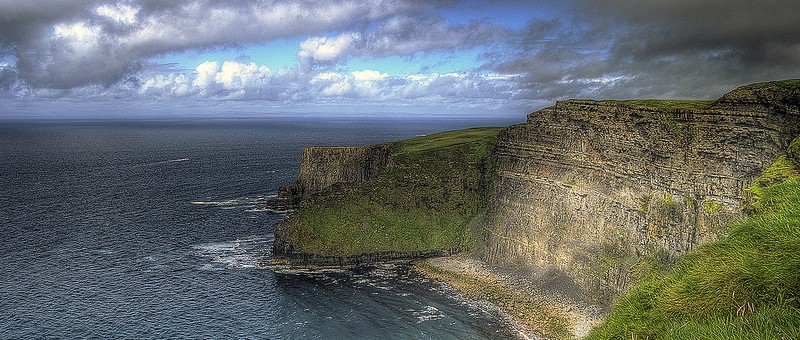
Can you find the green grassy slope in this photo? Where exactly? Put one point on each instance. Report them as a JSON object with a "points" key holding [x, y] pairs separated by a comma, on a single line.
{"points": [[746, 286], [427, 198], [770, 85]]}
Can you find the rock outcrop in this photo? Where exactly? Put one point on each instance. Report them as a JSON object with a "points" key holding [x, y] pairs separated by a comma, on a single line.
{"points": [[405, 200], [606, 191], [323, 167]]}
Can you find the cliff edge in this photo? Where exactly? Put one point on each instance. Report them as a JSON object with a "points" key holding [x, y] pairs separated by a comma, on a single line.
{"points": [[610, 192], [410, 199], [324, 168], [603, 193]]}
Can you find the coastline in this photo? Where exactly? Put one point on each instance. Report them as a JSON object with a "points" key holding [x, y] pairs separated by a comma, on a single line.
{"points": [[531, 310]]}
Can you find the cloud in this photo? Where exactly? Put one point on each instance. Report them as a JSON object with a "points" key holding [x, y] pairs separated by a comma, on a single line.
{"points": [[119, 13], [10, 84], [369, 75], [669, 26], [401, 36], [321, 50], [677, 49], [331, 84], [66, 44], [232, 80], [575, 48]]}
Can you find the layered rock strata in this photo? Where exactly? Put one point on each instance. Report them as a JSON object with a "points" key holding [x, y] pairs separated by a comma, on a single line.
{"points": [[606, 191], [324, 167]]}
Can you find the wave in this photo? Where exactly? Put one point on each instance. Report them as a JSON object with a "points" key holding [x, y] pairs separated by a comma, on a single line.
{"points": [[305, 271], [277, 211], [163, 162], [236, 202], [240, 253], [428, 313]]}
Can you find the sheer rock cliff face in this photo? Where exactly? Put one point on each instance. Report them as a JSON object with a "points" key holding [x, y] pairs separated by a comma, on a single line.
{"points": [[602, 190], [322, 167], [325, 167]]}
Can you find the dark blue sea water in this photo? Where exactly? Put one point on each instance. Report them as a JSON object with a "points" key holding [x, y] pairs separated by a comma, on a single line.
{"points": [[153, 230]]}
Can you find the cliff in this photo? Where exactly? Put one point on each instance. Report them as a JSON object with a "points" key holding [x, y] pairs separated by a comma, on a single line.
{"points": [[743, 286], [609, 191], [404, 200], [604, 192], [322, 168]]}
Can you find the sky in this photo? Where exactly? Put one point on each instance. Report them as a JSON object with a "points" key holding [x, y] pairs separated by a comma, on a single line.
{"points": [[381, 57]]}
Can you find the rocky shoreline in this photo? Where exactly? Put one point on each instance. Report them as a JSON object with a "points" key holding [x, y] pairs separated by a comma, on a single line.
{"points": [[580, 203], [535, 308], [312, 261]]}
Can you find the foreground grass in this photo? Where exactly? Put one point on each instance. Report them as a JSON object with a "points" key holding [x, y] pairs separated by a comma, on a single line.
{"points": [[746, 286], [522, 306], [428, 198]]}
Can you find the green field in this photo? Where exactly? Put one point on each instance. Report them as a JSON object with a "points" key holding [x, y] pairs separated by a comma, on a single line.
{"points": [[430, 197]]}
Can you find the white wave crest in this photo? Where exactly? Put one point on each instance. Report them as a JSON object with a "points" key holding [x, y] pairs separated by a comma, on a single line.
{"points": [[239, 253], [237, 202], [427, 313], [162, 162]]}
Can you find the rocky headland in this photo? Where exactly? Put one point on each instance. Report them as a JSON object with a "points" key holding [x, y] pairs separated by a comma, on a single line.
{"points": [[609, 191], [600, 194]]}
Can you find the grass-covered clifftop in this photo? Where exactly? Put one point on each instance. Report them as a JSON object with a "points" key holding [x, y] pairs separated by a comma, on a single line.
{"points": [[608, 193], [745, 286], [428, 197]]}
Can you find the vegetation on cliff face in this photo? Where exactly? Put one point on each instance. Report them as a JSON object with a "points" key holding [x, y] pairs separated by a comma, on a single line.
{"points": [[429, 197], [666, 104], [746, 286]]}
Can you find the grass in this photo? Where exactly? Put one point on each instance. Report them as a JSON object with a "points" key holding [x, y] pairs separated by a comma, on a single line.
{"points": [[429, 197], [770, 85], [746, 286], [794, 151], [666, 104], [781, 170], [523, 306]]}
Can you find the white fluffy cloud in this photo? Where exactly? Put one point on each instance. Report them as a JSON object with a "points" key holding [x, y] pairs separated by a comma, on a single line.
{"points": [[325, 50], [239, 81], [369, 75]]}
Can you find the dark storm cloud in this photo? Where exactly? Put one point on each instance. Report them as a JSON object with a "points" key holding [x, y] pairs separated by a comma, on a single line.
{"points": [[8, 80], [626, 48], [702, 48], [754, 28], [22, 21]]}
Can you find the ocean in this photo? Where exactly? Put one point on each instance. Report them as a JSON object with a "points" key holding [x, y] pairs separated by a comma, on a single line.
{"points": [[155, 229]]}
